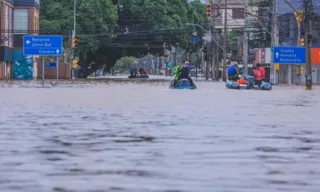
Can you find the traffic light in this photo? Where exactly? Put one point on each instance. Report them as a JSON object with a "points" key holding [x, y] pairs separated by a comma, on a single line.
{"points": [[74, 42], [208, 10], [301, 42], [299, 16], [75, 63]]}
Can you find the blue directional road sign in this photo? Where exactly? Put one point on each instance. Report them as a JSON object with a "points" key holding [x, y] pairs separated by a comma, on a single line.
{"points": [[289, 55], [42, 45], [195, 40], [51, 65]]}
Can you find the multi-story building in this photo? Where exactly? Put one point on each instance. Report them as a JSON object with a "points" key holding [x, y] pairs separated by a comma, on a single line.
{"points": [[288, 36], [236, 10], [18, 18]]}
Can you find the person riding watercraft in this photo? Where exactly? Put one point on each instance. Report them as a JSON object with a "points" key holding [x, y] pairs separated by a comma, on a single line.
{"points": [[233, 72], [183, 73], [133, 72], [176, 73], [142, 71]]}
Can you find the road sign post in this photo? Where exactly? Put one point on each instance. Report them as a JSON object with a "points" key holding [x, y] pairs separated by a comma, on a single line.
{"points": [[289, 55], [43, 45], [57, 68], [43, 72]]}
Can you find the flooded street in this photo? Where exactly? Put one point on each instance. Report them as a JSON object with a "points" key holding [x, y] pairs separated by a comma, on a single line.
{"points": [[146, 137]]}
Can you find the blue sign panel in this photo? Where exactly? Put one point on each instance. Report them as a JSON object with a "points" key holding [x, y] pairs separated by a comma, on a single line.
{"points": [[51, 65], [42, 45], [289, 55], [195, 40]]}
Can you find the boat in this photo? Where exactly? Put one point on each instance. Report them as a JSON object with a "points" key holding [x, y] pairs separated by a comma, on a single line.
{"points": [[182, 84]]}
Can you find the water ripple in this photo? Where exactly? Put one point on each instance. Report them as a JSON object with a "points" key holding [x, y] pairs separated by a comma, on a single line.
{"points": [[145, 138]]}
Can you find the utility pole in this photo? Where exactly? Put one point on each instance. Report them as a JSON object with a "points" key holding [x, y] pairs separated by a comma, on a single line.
{"points": [[298, 44], [308, 37], [224, 75], [289, 66], [208, 59], [73, 35], [299, 17], [217, 56], [245, 41], [209, 44], [214, 52], [215, 48], [298, 14], [275, 41]]}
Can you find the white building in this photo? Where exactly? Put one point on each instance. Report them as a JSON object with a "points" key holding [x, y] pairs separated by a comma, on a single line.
{"points": [[236, 10]]}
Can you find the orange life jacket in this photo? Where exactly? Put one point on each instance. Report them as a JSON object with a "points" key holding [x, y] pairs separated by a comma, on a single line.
{"points": [[241, 81]]}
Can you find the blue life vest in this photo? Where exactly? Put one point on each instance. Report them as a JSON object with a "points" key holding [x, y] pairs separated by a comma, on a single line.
{"points": [[231, 71]]}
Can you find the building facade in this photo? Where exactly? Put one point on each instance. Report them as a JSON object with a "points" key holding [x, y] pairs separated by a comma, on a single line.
{"points": [[288, 35], [18, 18], [235, 13]]}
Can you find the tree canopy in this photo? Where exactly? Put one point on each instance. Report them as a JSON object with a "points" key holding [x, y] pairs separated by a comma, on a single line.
{"points": [[107, 31]]}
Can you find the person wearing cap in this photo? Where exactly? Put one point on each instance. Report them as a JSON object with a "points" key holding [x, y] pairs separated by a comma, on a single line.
{"points": [[233, 72]]}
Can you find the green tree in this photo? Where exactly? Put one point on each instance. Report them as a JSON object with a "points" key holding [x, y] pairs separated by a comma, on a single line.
{"points": [[125, 63], [164, 22], [101, 28], [95, 18]]}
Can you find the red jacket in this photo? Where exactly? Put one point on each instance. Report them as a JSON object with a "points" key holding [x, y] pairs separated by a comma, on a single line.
{"points": [[263, 72], [257, 75]]}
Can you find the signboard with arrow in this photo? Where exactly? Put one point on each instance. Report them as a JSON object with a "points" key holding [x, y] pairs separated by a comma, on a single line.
{"points": [[289, 55], [42, 45]]}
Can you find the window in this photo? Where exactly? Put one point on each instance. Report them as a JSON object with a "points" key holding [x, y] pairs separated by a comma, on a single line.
{"points": [[20, 21], [238, 13]]}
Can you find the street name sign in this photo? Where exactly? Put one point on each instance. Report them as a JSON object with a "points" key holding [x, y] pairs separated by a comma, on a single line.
{"points": [[51, 65], [195, 40], [289, 55], [42, 45]]}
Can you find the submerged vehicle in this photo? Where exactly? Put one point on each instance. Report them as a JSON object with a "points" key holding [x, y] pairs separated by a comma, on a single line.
{"points": [[182, 84], [134, 74], [139, 76]]}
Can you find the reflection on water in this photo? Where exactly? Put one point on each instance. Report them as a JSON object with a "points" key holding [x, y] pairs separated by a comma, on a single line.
{"points": [[145, 137]]}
